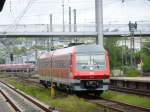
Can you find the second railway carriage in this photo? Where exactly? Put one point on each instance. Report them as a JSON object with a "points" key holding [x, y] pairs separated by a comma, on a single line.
{"points": [[16, 68], [77, 68]]}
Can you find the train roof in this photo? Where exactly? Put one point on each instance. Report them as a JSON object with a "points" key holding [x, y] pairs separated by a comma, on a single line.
{"points": [[15, 65], [44, 55], [92, 48], [89, 48], [81, 49]]}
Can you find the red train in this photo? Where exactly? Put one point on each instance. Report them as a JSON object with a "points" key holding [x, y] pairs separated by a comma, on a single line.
{"points": [[77, 68], [16, 68]]}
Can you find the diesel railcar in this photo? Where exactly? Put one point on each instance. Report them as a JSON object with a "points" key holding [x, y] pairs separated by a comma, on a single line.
{"points": [[16, 68], [82, 68]]}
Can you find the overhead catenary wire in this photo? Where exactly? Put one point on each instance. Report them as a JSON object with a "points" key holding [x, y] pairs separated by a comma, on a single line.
{"points": [[20, 16], [40, 4]]}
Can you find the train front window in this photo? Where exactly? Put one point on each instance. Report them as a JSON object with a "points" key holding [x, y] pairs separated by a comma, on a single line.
{"points": [[90, 62]]}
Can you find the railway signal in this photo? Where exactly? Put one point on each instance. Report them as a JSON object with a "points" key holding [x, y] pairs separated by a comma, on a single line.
{"points": [[11, 57], [132, 26], [135, 25]]}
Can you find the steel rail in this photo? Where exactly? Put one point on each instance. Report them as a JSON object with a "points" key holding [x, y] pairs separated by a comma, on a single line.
{"points": [[114, 105], [144, 109], [44, 108], [10, 101], [128, 90]]}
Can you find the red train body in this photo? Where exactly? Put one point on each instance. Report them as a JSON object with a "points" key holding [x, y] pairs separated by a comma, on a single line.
{"points": [[16, 68], [78, 68]]}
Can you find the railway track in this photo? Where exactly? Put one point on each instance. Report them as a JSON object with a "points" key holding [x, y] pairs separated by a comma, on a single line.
{"points": [[129, 90], [109, 105], [113, 105], [5, 107], [21, 102]]}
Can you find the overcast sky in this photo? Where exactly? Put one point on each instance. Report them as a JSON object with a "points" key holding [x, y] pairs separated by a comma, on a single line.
{"points": [[37, 11]]}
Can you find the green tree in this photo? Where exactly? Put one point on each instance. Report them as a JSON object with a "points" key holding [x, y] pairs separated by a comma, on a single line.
{"points": [[19, 51], [145, 55], [2, 60], [114, 51]]}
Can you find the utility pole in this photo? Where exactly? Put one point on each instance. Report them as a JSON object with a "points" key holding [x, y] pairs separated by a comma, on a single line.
{"points": [[50, 29], [10, 6], [122, 57], [75, 23], [69, 19], [63, 16], [51, 22], [75, 20], [141, 60], [36, 51], [126, 60], [132, 28], [99, 21], [132, 49], [52, 88]]}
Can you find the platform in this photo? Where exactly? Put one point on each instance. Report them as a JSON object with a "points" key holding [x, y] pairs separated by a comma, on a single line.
{"points": [[137, 79]]}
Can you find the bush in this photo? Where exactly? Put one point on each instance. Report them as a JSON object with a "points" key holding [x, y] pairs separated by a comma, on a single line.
{"points": [[134, 73], [146, 61]]}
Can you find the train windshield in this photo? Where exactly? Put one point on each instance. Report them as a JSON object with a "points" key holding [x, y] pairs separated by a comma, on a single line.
{"points": [[90, 62]]}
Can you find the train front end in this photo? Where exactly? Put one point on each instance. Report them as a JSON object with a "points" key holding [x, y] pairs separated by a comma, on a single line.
{"points": [[90, 70]]}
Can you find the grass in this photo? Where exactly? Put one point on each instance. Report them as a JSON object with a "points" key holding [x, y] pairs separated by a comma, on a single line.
{"points": [[133, 73], [127, 98], [61, 102], [73, 103]]}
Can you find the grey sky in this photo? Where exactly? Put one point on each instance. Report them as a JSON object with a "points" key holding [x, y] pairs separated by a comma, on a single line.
{"points": [[38, 11]]}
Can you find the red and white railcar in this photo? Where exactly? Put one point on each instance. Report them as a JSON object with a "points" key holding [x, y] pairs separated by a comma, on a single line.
{"points": [[77, 68], [16, 68]]}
